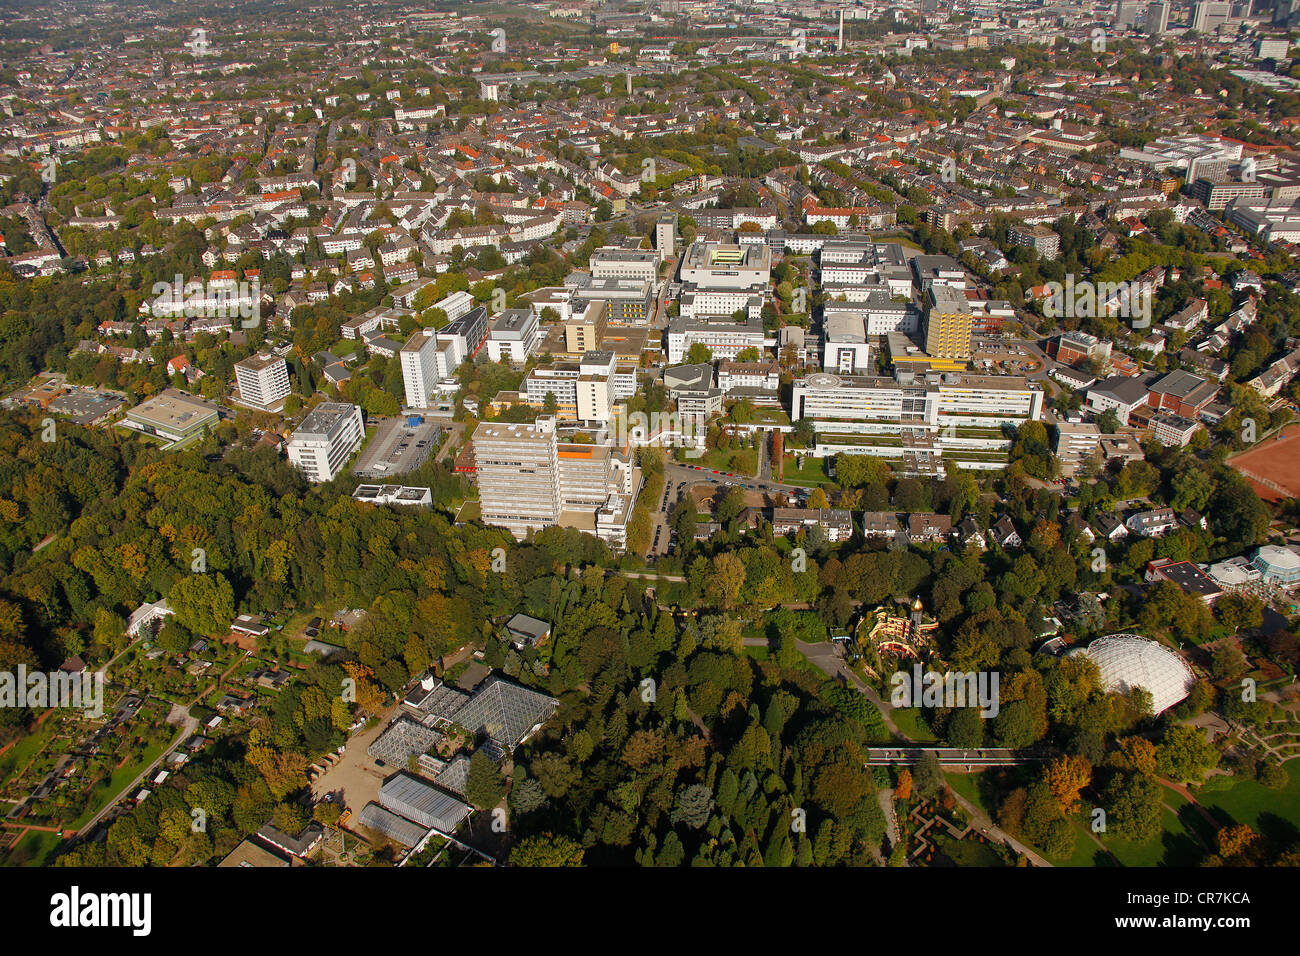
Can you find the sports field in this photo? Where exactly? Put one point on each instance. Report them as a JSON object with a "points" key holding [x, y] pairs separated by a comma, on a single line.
{"points": [[1273, 466]]}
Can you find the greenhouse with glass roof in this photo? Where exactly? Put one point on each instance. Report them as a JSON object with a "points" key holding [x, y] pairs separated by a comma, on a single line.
{"points": [[1130, 661]]}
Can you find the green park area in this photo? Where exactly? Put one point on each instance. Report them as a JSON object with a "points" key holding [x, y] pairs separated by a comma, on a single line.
{"points": [[1186, 834], [809, 475]]}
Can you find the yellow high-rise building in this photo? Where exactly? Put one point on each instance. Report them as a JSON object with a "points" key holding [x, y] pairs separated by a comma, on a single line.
{"points": [[947, 323]]}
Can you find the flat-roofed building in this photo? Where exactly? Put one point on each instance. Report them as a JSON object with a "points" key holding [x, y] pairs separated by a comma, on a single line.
{"points": [[420, 371], [1173, 431], [1037, 237], [724, 338], [1075, 442], [528, 480], [1217, 192], [716, 265], [627, 301], [513, 336], [468, 332], [877, 314], [938, 270], [429, 358], [948, 323], [613, 263], [666, 235], [692, 388], [594, 389], [455, 305], [583, 332], [173, 416], [1190, 578], [518, 475], [326, 439], [262, 380], [950, 416], [846, 351]]}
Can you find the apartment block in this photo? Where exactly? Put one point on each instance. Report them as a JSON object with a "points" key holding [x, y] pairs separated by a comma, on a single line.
{"points": [[1037, 237], [326, 439], [262, 380]]}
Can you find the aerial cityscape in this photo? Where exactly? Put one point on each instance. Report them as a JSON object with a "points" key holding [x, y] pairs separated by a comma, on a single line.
{"points": [[655, 433]]}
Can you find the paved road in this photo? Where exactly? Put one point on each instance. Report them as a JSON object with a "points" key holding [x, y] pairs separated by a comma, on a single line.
{"points": [[675, 578], [886, 799], [188, 727], [454, 431], [764, 456], [674, 473]]}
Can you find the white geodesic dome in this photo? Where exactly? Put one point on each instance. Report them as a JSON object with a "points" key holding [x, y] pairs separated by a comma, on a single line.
{"points": [[1126, 661]]}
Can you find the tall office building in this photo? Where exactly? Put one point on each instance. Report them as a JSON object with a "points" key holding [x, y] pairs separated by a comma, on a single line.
{"points": [[529, 480], [1208, 15], [1126, 14], [263, 380], [1286, 13], [326, 439], [595, 387], [1156, 20], [517, 467], [947, 323], [666, 235], [419, 357]]}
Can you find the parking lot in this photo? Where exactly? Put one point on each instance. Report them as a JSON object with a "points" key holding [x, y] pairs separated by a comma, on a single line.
{"points": [[1006, 359]]}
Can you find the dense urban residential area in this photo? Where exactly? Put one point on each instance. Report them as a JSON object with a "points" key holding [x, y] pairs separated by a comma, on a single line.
{"points": [[649, 433]]}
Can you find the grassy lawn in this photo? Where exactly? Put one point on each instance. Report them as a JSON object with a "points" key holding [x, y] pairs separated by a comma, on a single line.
{"points": [[1245, 801], [812, 474], [20, 754], [739, 461], [33, 848], [1174, 845], [908, 720], [968, 785]]}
